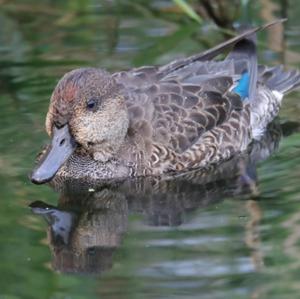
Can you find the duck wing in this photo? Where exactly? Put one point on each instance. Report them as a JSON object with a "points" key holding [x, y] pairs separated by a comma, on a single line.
{"points": [[147, 75], [187, 106], [176, 110], [209, 54]]}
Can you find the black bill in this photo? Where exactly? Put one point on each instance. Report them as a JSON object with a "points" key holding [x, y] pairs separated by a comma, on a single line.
{"points": [[62, 147]]}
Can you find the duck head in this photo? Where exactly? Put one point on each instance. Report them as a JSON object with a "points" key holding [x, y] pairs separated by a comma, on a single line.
{"points": [[87, 111]]}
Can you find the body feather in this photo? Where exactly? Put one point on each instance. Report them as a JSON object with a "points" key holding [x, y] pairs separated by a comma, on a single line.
{"points": [[190, 113]]}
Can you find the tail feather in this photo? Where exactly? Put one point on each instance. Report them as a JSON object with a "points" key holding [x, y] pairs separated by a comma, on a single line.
{"points": [[276, 78], [274, 82]]}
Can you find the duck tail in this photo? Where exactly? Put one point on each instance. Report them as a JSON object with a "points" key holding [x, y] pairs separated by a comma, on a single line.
{"points": [[273, 84], [277, 79]]}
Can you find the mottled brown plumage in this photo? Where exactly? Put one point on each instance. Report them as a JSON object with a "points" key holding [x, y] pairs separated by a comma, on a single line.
{"points": [[157, 120]]}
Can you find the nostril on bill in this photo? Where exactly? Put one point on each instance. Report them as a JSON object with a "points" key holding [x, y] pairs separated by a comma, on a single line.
{"points": [[62, 142]]}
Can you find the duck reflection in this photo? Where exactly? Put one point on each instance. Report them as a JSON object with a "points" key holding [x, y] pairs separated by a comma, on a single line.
{"points": [[91, 218], [84, 230]]}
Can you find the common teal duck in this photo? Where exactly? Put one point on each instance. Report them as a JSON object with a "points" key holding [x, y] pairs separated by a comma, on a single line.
{"points": [[155, 120]]}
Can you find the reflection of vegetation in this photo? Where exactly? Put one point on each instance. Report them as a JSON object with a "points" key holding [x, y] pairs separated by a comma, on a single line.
{"points": [[188, 10], [39, 41], [222, 12]]}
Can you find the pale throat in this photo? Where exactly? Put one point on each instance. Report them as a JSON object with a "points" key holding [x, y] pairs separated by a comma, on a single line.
{"points": [[107, 149], [109, 137]]}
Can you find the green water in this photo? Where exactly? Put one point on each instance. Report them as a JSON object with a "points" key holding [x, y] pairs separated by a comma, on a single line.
{"points": [[197, 241]]}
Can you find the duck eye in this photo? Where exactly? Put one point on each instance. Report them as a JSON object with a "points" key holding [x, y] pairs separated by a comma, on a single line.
{"points": [[91, 104]]}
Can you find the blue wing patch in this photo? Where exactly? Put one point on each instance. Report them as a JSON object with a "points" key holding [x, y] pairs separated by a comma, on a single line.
{"points": [[242, 89]]}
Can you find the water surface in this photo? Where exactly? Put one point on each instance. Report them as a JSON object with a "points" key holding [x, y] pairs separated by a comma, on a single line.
{"points": [[230, 236]]}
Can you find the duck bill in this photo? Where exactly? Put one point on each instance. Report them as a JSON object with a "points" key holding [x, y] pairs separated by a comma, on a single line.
{"points": [[62, 147]]}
